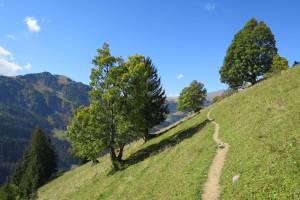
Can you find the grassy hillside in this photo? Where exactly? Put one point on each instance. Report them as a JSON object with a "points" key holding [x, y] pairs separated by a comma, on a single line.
{"points": [[262, 126], [171, 166]]}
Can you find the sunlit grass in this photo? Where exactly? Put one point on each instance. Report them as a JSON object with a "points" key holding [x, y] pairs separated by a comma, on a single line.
{"points": [[174, 171], [262, 126]]}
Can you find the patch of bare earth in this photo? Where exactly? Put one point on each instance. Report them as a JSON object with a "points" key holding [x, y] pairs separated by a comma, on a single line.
{"points": [[211, 189]]}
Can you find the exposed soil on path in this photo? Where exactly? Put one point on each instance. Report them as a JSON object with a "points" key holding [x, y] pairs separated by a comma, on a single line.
{"points": [[211, 189]]}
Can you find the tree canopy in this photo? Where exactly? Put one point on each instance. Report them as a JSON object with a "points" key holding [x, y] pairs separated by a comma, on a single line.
{"points": [[122, 93], [249, 55], [155, 109], [192, 97]]}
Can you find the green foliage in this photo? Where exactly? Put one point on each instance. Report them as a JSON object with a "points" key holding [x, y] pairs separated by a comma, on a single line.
{"points": [[8, 192], [37, 165], [249, 55], [192, 97], [84, 136], [121, 94], [278, 64], [155, 109], [116, 100]]}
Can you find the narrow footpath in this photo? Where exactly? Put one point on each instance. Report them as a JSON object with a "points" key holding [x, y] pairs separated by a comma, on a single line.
{"points": [[211, 189]]}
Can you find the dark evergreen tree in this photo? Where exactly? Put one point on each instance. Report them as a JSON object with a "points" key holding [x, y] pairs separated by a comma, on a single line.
{"points": [[249, 56], [155, 108], [295, 63], [8, 192], [37, 165]]}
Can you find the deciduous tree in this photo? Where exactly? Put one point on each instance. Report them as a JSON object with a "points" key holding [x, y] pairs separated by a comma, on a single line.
{"points": [[192, 97], [249, 55], [279, 64]]}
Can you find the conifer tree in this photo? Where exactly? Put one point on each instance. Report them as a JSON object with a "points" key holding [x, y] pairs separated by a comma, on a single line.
{"points": [[155, 109], [36, 166]]}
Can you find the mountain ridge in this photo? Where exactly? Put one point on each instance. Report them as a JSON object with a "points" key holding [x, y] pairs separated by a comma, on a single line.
{"points": [[31, 100]]}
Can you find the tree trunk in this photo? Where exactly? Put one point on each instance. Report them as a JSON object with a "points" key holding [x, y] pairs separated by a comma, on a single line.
{"points": [[95, 161], [116, 160], [146, 135], [120, 155], [113, 158], [253, 80]]}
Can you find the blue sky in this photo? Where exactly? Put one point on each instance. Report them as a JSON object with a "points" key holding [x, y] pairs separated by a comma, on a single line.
{"points": [[186, 39]]}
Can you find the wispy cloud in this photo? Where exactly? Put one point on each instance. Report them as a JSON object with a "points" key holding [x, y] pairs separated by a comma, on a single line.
{"points": [[180, 76], [5, 53], [11, 36], [210, 7], [32, 24], [8, 66], [28, 67]]}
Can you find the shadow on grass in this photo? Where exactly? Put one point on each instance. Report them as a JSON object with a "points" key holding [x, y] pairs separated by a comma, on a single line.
{"points": [[156, 148]]}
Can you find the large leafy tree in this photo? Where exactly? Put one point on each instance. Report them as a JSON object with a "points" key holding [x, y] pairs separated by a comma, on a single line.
{"points": [[114, 117], [192, 97], [249, 55], [37, 165]]}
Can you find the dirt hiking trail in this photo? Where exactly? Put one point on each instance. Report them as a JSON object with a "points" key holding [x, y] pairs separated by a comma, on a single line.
{"points": [[211, 189]]}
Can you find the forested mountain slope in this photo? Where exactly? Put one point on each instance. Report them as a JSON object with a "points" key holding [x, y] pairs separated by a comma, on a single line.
{"points": [[31, 100]]}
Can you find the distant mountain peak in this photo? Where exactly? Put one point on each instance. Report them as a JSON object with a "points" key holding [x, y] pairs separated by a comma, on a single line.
{"points": [[37, 99]]}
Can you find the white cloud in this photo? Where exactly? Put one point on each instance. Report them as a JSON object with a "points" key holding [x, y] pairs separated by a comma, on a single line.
{"points": [[7, 66], [28, 66], [11, 36], [210, 7], [32, 24], [180, 76], [4, 52]]}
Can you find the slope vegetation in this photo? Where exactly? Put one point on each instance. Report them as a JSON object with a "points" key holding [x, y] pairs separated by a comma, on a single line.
{"points": [[171, 166], [262, 126]]}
